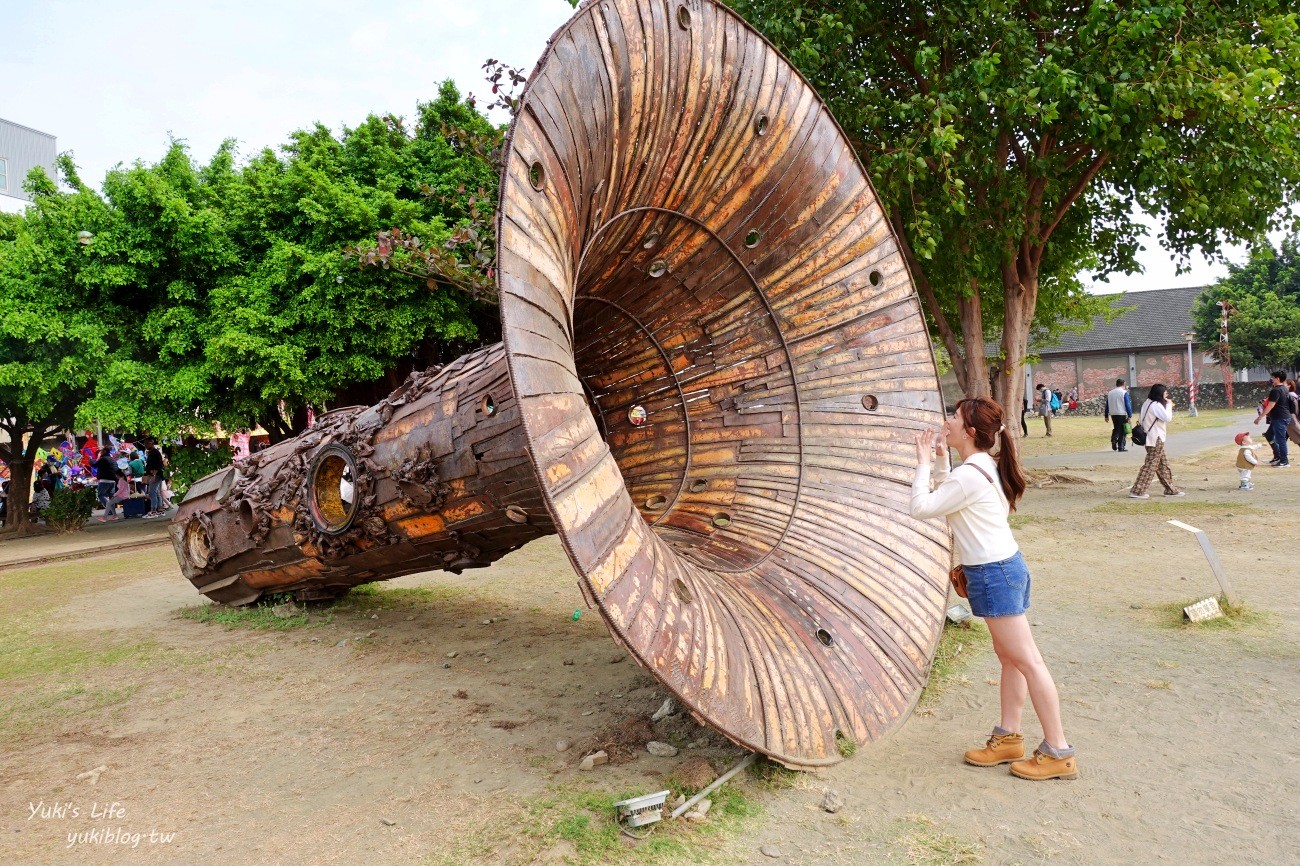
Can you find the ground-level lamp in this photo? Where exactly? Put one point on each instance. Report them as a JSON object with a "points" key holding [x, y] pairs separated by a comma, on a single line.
{"points": [[1191, 376]]}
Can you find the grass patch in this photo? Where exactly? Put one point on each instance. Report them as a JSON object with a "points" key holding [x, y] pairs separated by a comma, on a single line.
{"points": [[30, 711], [847, 746], [1173, 506], [924, 844], [1019, 521], [1075, 433], [959, 645], [24, 655], [362, 600], [1235, 616], [575, 823]]}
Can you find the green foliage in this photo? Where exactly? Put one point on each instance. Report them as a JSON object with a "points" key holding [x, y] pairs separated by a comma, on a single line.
{"points": [[190, 464], [70, 509], [959, 645], [1264, 330], [258, 616], [1012, 143]]}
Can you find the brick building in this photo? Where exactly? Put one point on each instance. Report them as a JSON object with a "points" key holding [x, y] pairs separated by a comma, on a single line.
{"points": [[1146, 345]]}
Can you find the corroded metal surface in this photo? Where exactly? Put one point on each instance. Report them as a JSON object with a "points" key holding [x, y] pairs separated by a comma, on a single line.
{"points": [[716, 364], [440, 479]]}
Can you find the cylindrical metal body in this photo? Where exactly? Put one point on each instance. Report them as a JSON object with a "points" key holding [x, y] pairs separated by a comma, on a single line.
{"points": [[436, 476]]}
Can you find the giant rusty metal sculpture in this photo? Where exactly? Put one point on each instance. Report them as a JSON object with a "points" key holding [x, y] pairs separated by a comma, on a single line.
{"points": [[714, 363]]}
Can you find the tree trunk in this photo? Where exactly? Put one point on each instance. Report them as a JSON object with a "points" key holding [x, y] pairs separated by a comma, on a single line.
{"points": [[971, 313], [1020, 297], [20, 462]]}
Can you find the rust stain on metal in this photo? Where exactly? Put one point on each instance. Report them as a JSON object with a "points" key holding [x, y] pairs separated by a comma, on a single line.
{"points": [[713, 364]]}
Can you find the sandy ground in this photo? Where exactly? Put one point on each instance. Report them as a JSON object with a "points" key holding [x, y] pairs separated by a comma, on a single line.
{"points": [[283, 747]]}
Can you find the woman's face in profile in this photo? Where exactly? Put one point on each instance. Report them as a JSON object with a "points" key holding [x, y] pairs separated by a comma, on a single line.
{"points": [[954, 429]]}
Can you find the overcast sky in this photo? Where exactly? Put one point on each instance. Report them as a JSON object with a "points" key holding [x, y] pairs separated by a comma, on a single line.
{"points": [[113, 80]]}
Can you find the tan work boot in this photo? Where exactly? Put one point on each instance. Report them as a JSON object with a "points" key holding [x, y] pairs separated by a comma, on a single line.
{"points": [[1000, 749], [1041, 767]]}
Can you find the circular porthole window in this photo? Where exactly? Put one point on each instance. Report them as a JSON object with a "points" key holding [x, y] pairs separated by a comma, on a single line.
{"points": [[684, 17], [682, 591], [875, 278], [760, 124], [870, 403], [198, 544], [536, 176], [516, 514], [637, 416], [332, 490], [651, 239], [752, 238], [722, 520], [657, 502], [488, 405], [658, 269], [825, 637], [698, 485]]}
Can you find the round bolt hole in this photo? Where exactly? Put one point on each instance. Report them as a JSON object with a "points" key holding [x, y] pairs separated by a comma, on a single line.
{"points": [[331, 490], [651, 239], [684, 17], [698, 485], [760, 124], [637, 416], [825, 637], [751, 239], [722, 520], [875, 278], [657, 502], [682, 591], [659, 268], [487, 405], [537, 176], [517, 514], [870, 403]]}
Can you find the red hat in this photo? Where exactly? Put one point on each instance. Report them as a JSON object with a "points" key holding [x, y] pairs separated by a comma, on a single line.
{"points": [[1240, 437]]}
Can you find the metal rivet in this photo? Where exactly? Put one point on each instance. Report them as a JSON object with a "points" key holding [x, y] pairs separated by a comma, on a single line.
{"points": [[659, 268], [487, 405], [825, 637], [870, 403], [537, 176], [722, 520], [637, 415], [751, 239]]}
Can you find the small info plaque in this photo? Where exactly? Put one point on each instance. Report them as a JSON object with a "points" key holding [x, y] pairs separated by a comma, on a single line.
{"points": [[1206, 608]]}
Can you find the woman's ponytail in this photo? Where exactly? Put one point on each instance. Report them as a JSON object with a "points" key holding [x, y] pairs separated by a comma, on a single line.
{"points": [[985, 417]]}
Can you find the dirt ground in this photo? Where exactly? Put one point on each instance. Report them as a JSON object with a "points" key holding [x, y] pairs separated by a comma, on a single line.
{"points": [[283, 746]]}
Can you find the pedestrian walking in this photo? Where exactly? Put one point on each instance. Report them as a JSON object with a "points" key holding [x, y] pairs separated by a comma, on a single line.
{"points": [[106, 485], [1119, 411], [1277, 409], [1153, 418], [976, 499], [154, 470], [1293, 429]]}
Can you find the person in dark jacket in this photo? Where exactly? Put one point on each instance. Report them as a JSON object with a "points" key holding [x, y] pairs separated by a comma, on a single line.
{"points": [[105, 468], [154, 470]]}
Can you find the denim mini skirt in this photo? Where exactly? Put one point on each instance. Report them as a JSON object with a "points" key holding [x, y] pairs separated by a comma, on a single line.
{"points": [[998, 588]]}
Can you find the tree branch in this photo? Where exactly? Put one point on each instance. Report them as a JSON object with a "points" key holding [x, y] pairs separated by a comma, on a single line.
{"points": [[1075, 191]]}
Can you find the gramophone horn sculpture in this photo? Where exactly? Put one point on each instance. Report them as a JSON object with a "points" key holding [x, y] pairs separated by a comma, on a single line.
{"points": [[714, 362]]}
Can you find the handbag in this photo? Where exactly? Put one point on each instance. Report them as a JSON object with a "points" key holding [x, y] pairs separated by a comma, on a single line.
{"points": [[1140, 433], [958, 579]]}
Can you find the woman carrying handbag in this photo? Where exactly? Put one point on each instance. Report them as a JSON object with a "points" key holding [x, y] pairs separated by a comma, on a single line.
{"points": [[1156, 412], [976, 499]]}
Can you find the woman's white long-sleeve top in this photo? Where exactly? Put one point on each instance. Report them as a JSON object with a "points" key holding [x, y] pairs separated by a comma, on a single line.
{"points": [[976, 510], [1154, 417]]}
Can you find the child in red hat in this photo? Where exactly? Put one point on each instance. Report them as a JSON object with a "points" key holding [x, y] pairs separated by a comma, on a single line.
{"points": [[1246, 460]]}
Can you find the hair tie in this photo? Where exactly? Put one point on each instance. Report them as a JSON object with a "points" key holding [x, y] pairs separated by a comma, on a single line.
{"points": [[1003, 427]]}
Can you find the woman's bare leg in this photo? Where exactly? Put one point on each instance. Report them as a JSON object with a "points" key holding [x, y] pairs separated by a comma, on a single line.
{"points": [[1015, 645], [1014, 690]]}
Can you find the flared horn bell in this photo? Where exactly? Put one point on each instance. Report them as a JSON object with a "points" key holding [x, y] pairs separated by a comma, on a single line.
{"points": [[714, 363]]}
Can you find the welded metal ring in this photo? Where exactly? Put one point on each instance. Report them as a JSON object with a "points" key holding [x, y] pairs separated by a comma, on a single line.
{"points": [[331, 490]]}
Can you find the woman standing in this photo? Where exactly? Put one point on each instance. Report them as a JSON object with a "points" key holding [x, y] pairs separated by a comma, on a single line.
{"points": [[976, 499], [1156, 412]]}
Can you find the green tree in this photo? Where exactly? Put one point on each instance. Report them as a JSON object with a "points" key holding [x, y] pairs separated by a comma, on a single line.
{"points": [[61, 323], [1011, 142], [1264, 329]]}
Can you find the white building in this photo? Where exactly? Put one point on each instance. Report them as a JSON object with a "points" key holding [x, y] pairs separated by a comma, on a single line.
{"points": [[21, 150]]}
